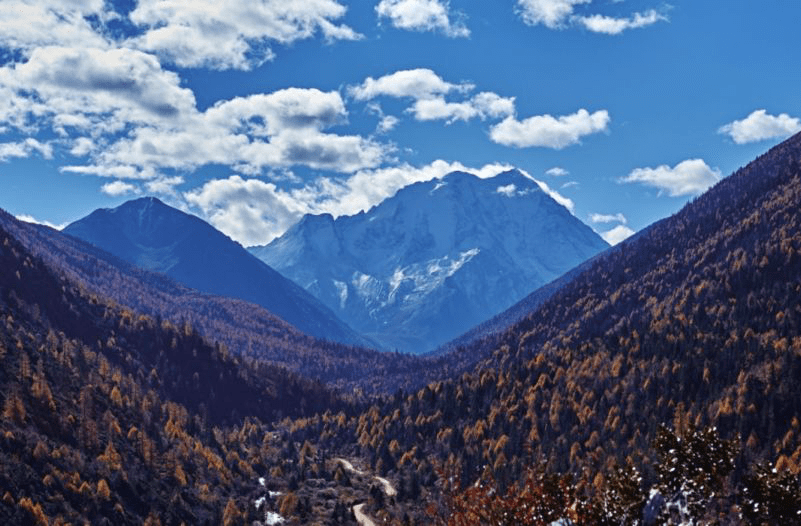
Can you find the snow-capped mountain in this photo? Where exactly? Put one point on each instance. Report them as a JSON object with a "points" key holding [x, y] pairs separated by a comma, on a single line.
{"points": [[436, 259], [157, 237]]}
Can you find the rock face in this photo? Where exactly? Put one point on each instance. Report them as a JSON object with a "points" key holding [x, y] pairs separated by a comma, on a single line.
{"points": [[154, 236], [436, 259]]}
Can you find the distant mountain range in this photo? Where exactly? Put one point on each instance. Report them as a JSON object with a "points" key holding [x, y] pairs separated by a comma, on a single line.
{"points": [[154, 236], [436, 259]]}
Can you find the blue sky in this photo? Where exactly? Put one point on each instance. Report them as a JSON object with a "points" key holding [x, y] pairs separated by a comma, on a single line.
{"points": [[250, 113]]}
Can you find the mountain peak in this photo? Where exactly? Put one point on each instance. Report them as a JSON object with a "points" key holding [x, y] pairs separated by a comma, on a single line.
{"points": [[435, 259], [157, 237]]}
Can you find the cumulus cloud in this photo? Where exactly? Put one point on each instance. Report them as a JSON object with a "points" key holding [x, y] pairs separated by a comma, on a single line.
{"points": [[557, 171], [483, 105], [690, 177], [164, 185], [112, 170], [250, 211], [386, 123], [559, 14], [614, 26], [162, 128], [760, 126], [28, 24], [82, 146], [91, 89], [119, 188], [418, 83], [608, 218], [550, 13], [429, 92], [617, 234], [234, 34], [26, 148], [548, 131], [422, 15]]}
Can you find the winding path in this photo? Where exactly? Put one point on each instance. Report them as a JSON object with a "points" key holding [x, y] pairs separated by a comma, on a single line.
{"points": [[361, 518], [389, 491]]}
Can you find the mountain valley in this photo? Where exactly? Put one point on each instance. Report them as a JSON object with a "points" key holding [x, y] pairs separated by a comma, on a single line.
{"points": [[594, 399]]}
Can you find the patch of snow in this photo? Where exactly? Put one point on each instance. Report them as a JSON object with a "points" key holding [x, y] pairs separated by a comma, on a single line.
{"points": [[259, 502], [274, 494], [273, 518], [262, 482], [342, 288], [439, 185], [508, 190]]}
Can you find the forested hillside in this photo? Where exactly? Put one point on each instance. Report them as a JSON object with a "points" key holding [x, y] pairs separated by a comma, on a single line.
{"points": [[695, 323], [114, 417]]}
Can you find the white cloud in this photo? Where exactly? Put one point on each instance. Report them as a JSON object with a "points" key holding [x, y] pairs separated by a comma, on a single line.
{"points": [[418, 83], [690, 177], [164, 185], [23, 149], [82, 146], [387, 123], [548, 131], [614, 26], [269, 114], [422, 15], [570, 184], [559, 14], [550, 13], [91, 89], [428, 91], [116, 171], [251, 211], [234, 34], [760, 126], [30, 219], [617, 234], [250, 134], [608, 218], [482, 105], [438, 109], [28, 24], [557, 171], [119, 188]]}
